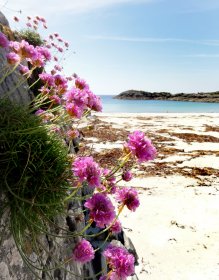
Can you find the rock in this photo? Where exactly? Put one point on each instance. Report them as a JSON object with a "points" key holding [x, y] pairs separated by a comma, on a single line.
{"points": [[13, 86], [193, 97]]}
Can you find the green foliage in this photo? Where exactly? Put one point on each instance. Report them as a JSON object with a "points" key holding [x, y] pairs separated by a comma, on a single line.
{"points": [[31, 36], [33, 168]]}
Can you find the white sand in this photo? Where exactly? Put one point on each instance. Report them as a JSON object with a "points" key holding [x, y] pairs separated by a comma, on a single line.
{"points": [[176, 228]]}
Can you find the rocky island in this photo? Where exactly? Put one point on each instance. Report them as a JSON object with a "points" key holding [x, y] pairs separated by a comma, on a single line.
{"points": [[193, 97]]}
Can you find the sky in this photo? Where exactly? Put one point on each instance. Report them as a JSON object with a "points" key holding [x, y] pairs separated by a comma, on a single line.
{"points": [[117, 45]]}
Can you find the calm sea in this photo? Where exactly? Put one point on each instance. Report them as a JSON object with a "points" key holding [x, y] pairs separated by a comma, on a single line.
{"points": [[111, 105]]}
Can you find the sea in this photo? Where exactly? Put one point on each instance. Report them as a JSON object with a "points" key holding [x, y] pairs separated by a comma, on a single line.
{"points": [[111, 105]]}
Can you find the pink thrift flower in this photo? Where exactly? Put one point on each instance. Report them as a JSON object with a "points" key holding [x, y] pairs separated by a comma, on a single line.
{"points": [[120, 261], [110, 181], [83, 252], [28, 24], [42, 20], [127, 176], [66, 44], [44, 52], [45, 26], [129, 197], [97, 106], [101, 209], [23, 69], [72, 133], [56, 34], [47, 79], [39, 112], [55, 99], [16, 19], [81, 84], [60, 49], [86, 169], [4, 43], [13, 58], [28, 18], [74, 111], [58, 67], [116, 227], [140, 146]]}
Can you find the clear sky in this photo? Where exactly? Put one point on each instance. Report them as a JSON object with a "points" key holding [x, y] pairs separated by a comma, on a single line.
{"points": [[152, 45]]}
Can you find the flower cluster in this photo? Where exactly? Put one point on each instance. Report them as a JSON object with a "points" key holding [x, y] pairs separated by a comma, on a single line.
{"points": [[23, 51], [120, 261], [83, 252], [86, 169], [4, 43], [140, 146], [129, 197], [58, 104], [101, 209], [80, 98]]}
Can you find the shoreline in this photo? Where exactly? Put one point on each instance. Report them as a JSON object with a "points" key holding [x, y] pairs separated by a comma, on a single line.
{"points": [[173, 114]]}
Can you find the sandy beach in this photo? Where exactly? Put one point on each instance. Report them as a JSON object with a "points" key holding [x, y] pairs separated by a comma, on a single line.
{"points": [[176, 228]]}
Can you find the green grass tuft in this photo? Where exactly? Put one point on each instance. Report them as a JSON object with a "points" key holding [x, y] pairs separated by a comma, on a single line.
{"points": [[33, 168]]}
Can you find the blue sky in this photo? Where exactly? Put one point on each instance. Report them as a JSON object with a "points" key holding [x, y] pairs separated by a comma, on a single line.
{"points": [[152, 45]]}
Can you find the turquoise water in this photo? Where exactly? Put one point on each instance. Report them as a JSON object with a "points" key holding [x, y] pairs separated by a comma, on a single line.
{"points": [[111, 105]]}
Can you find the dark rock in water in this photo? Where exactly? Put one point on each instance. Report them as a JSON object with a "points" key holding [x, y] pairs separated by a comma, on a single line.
{"points": [[193, 97]]}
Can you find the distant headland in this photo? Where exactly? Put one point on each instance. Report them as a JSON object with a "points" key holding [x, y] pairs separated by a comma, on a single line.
{"points": [[193, 97]]}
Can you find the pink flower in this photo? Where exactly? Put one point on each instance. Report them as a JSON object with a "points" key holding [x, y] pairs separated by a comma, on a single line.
{"points": [[43, 20], [81, 84], [120, 261], [13, 58], [77, 96], [72, 133], [94, 101], [58, 67], [74, 111], [127, 176], [44, 52], [16, 19], [110, 181], [66, 44], [39, 112], [140, 146], [83, 252], [86, 169], [47, 79], [4, 43], [101, 209], [23, 69], [28, 24], [60, 49], [129, 197], [55, 99], [116, 227]]}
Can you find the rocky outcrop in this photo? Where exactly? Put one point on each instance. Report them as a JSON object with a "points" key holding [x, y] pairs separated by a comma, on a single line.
{"points": [[14, 86], [193, 97]]}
